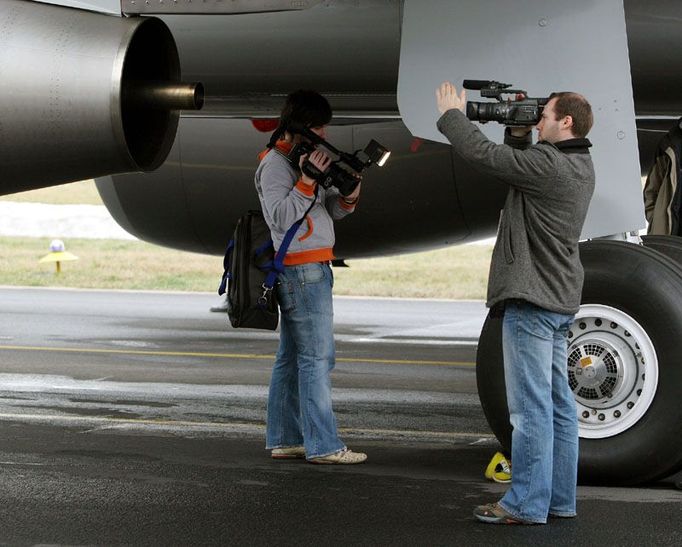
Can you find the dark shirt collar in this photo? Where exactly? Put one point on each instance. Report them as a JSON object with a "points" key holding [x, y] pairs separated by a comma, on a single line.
{"points": [[573, 146]]}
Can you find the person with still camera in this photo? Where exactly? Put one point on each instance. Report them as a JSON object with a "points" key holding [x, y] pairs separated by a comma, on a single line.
{"points": [[300, 418], [536, 282]]}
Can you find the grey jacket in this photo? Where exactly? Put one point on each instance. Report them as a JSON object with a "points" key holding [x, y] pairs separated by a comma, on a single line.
{"points": [[550, 186], [285, 199]]}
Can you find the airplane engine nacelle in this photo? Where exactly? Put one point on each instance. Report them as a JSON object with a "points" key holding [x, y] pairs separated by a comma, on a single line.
{"points": [[84, 94]]}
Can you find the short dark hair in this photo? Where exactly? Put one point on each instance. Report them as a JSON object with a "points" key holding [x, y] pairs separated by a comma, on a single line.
{"points": [[576, 106], [303, 107], [307, 108]]}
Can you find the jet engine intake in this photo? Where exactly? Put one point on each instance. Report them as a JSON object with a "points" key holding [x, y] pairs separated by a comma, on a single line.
{"points": [[84, 95]]}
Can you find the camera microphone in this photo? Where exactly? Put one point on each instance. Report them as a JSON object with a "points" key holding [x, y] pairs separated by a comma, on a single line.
{"points": [[476, 84], [484, 84]]}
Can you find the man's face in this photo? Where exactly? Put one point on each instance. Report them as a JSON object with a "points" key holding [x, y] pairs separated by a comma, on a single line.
{"points": [[549, 128]]}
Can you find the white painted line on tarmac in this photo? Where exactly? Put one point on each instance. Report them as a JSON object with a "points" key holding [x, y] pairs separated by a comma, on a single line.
{"points": [[411, 341], [131, 424], [22, 464]]}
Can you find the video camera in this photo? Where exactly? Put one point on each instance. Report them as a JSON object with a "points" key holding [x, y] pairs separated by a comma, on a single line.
{"points": [[515, 112], [343, 173]]}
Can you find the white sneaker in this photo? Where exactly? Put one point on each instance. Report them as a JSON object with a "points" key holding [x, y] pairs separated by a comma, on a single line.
{"points": [[343, 457], [288, 453]]}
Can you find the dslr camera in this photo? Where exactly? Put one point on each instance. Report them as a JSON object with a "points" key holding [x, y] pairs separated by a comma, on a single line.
{"points": [[344, 172], [518, 111]]}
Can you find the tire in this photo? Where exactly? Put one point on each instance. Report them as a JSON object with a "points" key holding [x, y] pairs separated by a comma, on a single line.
{"points": [[670, 246], [631, 312]]}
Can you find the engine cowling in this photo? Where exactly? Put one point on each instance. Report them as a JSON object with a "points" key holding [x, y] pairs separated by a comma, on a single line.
{"points": [[84, 94]]}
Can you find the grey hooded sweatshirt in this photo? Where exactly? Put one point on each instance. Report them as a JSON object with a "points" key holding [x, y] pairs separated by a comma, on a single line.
{"points": [[536, 255], [285, 199]]}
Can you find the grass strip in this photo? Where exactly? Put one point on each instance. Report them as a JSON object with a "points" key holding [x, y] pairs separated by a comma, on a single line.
{"points": [[453, 273], [75, 193]]}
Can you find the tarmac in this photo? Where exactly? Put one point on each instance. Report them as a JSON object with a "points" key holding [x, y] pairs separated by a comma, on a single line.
{"points": [[138, 418]]}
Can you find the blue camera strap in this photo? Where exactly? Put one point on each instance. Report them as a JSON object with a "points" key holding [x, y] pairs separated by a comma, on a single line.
{"points": [[277, 265]]}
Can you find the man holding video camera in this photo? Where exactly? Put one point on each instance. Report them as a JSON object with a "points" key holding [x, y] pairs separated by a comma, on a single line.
{"points": [[300, 419], [536, 281]]}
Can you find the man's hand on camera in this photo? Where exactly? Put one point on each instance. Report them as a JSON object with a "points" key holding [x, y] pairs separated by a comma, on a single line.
{"points": [[447, 98], [319, 159], [520, 131]]}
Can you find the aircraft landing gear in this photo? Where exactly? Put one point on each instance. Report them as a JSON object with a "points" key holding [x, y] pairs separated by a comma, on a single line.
{"points": [[630, 326], [670, 246]]}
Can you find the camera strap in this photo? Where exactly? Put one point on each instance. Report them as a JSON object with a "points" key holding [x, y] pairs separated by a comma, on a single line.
{"points": [[293, 155]]}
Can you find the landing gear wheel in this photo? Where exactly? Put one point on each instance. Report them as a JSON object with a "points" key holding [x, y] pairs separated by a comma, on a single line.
{"points": [[624, 366]]}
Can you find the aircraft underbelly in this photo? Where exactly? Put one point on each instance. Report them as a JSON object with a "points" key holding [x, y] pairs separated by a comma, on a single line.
{"points": [[351, 52], [410, 204]]}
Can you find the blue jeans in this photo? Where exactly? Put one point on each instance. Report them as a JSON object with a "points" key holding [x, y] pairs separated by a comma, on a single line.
{"points": [[542, 410], [300, 398]]}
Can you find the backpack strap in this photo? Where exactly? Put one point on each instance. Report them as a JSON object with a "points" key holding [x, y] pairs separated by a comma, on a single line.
{"points": [[226, 267], [278, 262]]}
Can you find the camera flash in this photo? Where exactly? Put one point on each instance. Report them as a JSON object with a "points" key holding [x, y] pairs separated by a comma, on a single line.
{"points": [[377, 153]]}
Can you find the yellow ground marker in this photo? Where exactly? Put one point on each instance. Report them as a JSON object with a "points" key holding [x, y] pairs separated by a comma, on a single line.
{"points": [[58, 254]]}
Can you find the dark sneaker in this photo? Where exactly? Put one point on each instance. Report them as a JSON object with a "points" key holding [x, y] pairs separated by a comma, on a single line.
{"points": [[494, 514], [288, 453]]}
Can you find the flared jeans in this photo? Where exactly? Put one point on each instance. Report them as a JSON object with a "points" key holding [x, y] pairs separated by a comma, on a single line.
{"points": [[300, 397]]}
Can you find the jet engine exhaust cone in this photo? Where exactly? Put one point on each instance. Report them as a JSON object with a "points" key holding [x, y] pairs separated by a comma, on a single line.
{"points": [[164, 95]]}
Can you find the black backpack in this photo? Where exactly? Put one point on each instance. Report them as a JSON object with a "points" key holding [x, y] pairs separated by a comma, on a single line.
{"points": [[248, 263], [251, 268]]}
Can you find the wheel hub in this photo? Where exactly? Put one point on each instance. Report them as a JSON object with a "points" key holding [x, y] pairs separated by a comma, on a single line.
{"points": [[596, 369], [612, 370]]}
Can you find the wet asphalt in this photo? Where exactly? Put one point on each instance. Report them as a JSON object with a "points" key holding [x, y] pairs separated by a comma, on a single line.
{"points": [[137, 418]]}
